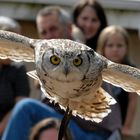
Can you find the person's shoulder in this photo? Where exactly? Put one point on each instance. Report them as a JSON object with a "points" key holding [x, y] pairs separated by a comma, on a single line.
{"points": [[128, 62], [132, 65], [17, 64]]}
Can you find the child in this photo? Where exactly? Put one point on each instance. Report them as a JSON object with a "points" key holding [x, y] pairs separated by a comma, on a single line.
{"points": [[113, 43]]}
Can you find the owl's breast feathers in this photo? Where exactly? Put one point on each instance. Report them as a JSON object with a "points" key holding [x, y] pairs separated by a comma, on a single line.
{"points": [[88, 101], [74, 90]]}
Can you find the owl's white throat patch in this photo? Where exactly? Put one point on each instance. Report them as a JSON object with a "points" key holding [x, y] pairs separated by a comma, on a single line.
{"points": [[71, 77]]}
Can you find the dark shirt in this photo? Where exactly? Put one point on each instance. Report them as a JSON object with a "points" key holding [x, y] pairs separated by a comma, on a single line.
{"points": [[123, 97], [13, 83], [92, 43]]}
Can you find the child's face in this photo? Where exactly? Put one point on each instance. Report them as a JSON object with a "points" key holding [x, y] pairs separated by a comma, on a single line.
{"points": [[115, 48]]}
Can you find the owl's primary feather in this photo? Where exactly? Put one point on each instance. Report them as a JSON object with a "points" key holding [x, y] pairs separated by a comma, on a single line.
{"points": [[122, 76], [15, 47], [71, 73]]}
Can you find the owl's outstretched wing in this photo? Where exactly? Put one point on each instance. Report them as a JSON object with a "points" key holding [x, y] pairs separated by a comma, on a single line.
{"points": [[15, 47], [123, 76]]}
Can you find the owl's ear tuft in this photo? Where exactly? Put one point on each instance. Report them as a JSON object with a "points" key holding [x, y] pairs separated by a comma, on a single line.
{"points": [[16, 47], [91, 51]]}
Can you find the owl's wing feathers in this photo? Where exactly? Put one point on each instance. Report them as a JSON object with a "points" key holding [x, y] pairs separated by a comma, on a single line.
{"points": [[97, 108], [16, 47], [123, 76]]}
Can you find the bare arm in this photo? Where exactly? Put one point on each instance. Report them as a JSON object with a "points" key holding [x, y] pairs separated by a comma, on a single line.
{"points": [[126, 130]]}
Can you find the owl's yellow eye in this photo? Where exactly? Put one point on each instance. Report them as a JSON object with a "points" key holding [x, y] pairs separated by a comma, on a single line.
{"points": [[77, 61], [55, 60]]}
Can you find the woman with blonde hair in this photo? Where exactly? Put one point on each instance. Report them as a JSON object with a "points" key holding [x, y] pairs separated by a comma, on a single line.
{"points": [[113, 43]]}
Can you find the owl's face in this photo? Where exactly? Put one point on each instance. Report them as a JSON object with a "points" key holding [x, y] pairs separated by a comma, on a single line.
{"points": [[65, 65]]}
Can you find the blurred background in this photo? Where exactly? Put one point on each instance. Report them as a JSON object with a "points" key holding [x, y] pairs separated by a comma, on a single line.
{"points": [[125, 13]]}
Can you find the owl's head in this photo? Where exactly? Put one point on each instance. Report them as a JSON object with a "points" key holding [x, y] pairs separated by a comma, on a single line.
{"points": [[63, 60]]}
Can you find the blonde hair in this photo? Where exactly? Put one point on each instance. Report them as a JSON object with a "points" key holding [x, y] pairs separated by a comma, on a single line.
{"points": [[47, 124], [109, 31]]}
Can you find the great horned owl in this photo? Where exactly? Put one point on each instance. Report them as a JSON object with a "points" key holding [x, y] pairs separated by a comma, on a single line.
{"points": [[71, 73]]}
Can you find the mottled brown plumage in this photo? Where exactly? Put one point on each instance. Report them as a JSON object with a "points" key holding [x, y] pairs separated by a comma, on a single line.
{"points": [[71, 73]]}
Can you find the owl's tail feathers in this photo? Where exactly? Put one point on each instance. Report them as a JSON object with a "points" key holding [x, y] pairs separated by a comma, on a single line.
{"points": [[16, 47], [97, 108]]}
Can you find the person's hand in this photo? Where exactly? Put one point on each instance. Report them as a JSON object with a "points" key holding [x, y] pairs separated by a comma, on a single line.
{"points": [[1, 129], [126, 131]]}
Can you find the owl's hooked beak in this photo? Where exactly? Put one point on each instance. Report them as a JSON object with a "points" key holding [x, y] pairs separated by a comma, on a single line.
{"points": [[66, 69]]}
